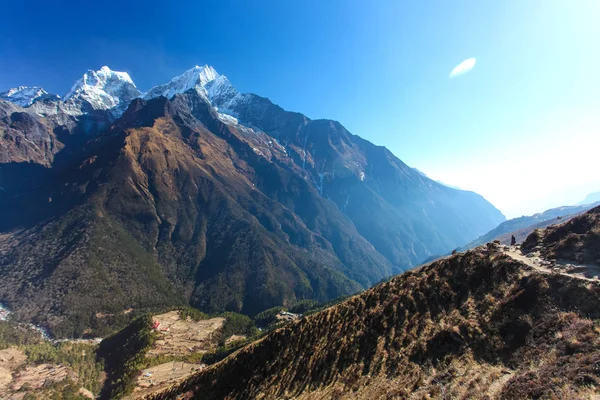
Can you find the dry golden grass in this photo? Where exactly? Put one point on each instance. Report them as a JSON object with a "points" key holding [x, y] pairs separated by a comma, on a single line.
{"points": [[477, 325]]}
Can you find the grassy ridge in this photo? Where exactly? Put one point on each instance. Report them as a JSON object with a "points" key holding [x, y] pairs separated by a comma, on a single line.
{"points": [[449, 329]]}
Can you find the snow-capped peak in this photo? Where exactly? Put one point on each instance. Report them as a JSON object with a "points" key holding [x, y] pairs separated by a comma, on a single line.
{"points": [[123, 76], [26, 95], [102, 90], [194, 78], [208, 83], [106, 89]]}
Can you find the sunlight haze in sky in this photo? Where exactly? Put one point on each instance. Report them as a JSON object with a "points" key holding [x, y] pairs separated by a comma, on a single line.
{"points": [[521, 127], [528, 175]]}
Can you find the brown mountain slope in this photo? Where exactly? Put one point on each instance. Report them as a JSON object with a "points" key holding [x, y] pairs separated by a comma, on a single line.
{"points": [[577, 240], [474, 325], [162, 212], [180, 201], [24, 138], [37, 134]]}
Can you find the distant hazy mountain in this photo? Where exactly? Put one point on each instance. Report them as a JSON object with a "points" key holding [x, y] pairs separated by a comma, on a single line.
{"points": [[590, 198], [521, 227], [195, 193]]}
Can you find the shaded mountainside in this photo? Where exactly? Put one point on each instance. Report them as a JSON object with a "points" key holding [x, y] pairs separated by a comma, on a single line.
{"points": [[185, 201], [577, 240], [521, 227], [475, 325], [405, 215]]}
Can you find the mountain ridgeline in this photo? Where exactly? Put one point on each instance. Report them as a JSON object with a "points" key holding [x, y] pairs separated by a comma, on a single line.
{"points": [[194, 193]]}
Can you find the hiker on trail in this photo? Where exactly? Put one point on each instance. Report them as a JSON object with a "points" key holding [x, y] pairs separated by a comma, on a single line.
{"points": [[513, 240]]}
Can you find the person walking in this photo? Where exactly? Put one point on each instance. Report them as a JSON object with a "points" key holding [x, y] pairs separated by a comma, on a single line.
{"points": [[513, 240]]}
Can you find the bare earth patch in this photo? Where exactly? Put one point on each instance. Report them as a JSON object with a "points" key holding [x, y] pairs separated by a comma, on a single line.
{"points": [[38, 376], [163, 375], [179, 337], [14, 376], [10, 359]]}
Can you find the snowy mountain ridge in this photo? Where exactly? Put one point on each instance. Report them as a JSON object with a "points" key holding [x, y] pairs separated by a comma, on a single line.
{"points": [[211, 85], [194, 78], [106, 89], [26, 95]]}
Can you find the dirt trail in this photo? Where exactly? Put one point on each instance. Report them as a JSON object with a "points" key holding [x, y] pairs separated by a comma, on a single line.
{"points": [[584, 272]]}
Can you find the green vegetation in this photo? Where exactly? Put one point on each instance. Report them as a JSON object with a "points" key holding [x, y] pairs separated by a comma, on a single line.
{"points": [[323, 306], [124, 356], [237, 324], [303, 306], [65, 390], [268, 318], [121, 355], [118, 275], [80, 357], [193, 313], [11, 335]]}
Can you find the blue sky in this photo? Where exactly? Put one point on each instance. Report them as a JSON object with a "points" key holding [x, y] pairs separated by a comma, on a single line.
{"points": [[521, 128]]}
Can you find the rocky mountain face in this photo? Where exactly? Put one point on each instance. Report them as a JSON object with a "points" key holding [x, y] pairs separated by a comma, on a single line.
{"points": [[476, 325], [194, 193]]}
